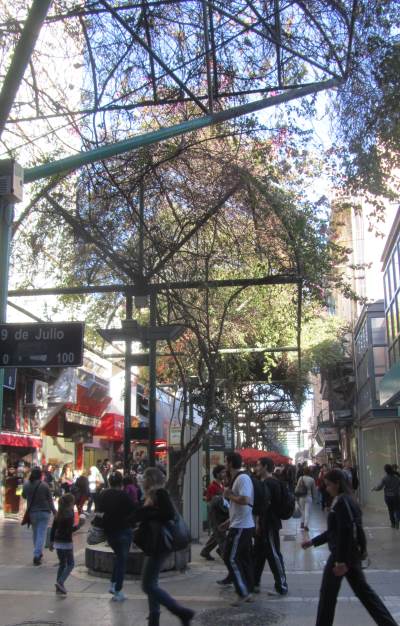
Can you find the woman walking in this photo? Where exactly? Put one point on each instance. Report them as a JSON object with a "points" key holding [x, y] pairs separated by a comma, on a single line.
{"points": [[61, 539], [347, 544], [118, 509], [390, 484], [40, 506], [157, 508], [306, 487]]}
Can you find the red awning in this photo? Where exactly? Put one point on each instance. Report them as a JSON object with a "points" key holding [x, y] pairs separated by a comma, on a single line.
{"points": [[20, 440], [87, 404], [111, 428]]}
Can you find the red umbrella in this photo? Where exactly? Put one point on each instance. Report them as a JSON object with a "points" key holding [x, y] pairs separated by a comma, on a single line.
{"points": [[251, 456]]}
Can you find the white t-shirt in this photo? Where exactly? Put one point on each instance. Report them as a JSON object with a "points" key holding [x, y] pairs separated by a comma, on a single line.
{"points": [[241, 515]]}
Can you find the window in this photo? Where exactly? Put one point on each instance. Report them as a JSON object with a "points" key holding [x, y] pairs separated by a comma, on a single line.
{"points": [[389, 326], [386, 287], [395, 272], [377, 383], [379, 360], [395, 324], [378, 330]]}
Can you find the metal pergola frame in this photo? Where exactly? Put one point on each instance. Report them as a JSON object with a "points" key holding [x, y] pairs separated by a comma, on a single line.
{"points": [[261, 26]]}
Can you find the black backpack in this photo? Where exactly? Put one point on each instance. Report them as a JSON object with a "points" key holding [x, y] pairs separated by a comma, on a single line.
{"points": [[287, 502], [262, 494]]}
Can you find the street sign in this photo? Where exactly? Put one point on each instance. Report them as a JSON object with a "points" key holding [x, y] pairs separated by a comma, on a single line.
{"points": [[41, 345]]}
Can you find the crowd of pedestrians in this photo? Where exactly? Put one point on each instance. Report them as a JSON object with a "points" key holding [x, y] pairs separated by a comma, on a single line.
{"points": [[246, 507]]}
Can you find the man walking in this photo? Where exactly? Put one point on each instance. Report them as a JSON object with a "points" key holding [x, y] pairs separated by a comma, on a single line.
{"points": [[213, 497], [267, 542], [238, 547]]}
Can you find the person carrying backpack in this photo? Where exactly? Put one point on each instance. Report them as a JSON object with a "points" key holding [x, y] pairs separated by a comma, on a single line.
{"points": [[267, 542], [347, 544]]}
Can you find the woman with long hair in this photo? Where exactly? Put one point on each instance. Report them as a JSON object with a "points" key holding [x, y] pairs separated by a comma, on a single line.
{"points": [[158, 507], [40, 506], [61, 539], [347, 544]]}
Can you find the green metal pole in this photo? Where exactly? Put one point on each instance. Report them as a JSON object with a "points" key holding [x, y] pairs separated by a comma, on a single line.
{"points": [[152, 381], [98, 154], [128, 387], [6, 220], [21, 56]]}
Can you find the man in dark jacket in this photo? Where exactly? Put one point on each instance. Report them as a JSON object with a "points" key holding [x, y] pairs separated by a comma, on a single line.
{"points": [[267, 544], [118, 510]]}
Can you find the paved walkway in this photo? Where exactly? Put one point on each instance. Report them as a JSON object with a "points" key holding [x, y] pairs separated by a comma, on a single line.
{"points": [[27, 592]]}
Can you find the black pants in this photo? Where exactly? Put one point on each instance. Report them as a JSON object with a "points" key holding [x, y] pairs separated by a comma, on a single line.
{"points": [[267, 547], [330, 587], [238, 558], [392, 503]]}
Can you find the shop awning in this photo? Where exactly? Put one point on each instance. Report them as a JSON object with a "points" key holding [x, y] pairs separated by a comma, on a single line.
{"points": [[111, 427], [87, 404], [20, 440]]}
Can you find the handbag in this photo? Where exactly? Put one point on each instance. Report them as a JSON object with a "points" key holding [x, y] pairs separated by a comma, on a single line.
{"points": [[359, 538], [26, 520], [301, 489], [175, 535]]}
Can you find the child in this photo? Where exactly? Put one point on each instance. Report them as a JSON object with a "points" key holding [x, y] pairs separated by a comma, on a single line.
{"points": [[61, 539]]}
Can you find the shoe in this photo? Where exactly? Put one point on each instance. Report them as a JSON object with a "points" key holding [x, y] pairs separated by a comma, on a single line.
{"points": [[241, 600], [207, 556], [37, 560], [112, 588], [306, 529], [60, 589], [118, 597], [187, 617], [275, 592], [225, 582], [256, 589]]}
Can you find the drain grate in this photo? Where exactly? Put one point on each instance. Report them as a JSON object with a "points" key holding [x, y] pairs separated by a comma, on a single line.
{"points": [[289, 537], [241, 616]]}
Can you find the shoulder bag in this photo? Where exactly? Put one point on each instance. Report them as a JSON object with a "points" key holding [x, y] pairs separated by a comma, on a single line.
{"points": [[175, 534], [26, 520]]}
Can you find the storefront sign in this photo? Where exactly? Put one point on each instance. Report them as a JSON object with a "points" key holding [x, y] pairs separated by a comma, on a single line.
{"points": [[81, 418], [41, 345], [175, 436], [329, 434]]}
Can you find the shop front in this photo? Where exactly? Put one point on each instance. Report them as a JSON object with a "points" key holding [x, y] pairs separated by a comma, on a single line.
{"points": [[72, 428], [378, 445]]}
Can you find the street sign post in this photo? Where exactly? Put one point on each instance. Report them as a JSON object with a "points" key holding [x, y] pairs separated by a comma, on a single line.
{"points": [[41, 345]]}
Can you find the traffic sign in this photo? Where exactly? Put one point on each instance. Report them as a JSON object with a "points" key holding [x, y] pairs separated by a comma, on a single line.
{"points": [[41, 345]]}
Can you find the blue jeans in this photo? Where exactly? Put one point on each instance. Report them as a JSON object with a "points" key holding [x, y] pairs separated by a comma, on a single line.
{"points": [[40, 521], [66, 564], [156, 595], [120, 542]]}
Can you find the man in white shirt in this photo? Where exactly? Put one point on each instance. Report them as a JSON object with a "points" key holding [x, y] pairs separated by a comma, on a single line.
{"points": [[238, 547]]}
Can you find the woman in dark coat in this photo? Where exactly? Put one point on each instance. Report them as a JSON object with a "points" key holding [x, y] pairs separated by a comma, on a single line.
{"points": [[347, 543], [157, 508]]}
